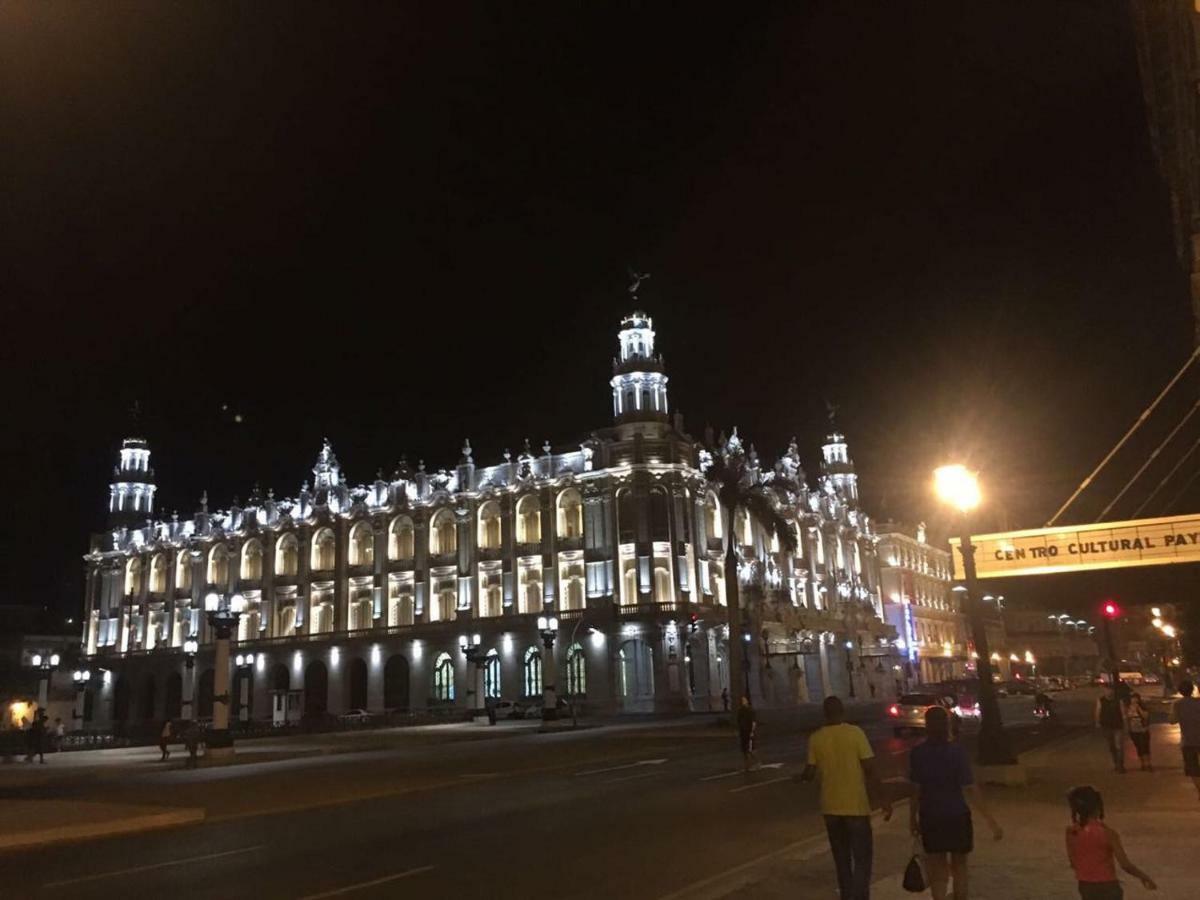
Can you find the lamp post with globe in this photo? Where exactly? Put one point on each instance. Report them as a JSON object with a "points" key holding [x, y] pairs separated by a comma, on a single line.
{"points": [[223, 613], [477, 656], [190, 648], [548, 629], [958, 488], [45, 663]]}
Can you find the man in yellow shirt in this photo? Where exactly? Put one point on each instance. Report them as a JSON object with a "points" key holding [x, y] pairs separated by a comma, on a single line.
{"points": [[841, 755]]}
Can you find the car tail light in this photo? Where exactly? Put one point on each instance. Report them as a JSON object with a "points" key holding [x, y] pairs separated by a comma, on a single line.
{"points": [[893, 710]]}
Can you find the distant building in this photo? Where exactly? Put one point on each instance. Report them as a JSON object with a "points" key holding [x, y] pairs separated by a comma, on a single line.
{"points": [[1048, 643], [919, 603], [360, 596]]}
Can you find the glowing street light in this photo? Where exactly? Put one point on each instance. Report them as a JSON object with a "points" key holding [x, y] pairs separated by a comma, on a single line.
{"points": [[957, 486]]}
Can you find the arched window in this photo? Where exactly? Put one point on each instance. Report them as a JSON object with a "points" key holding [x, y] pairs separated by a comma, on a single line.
{"points": [[662, 585], [442, 538], [712, 516], [362, 544], [158, 574], [660, 526], [630, 581], [324, 552], [531, 589], [743, 529], [218, 565], [689, 510], [401, 543], [529, 520], [252, 553], [287, 555], [576, 672], [716, 574], [443, 679], [819, 545], [443, 601], [572, 594], [491, 676], [489, 526], [493, 600], [570, 514], [133, 576], [533, 672], [626, 517], [183, 570]]}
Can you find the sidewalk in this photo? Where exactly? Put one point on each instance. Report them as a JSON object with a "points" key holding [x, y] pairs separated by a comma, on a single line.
{"points": [[31, 823], [1157, 815]]}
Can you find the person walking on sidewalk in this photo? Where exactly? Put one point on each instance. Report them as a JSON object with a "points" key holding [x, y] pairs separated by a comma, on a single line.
{"points": [[1186, 714], [164, 740], [938, 812], [1137, 722], [747, 725], [841, 755], [1112, 726], [1092, 847]]}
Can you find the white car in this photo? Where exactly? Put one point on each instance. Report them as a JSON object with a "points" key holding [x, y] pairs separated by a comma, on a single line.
{"points": [[908, 712], [355, 717], [507, 709]]}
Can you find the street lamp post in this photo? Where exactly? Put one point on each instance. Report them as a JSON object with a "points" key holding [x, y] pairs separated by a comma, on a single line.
{"points": [[223, 614], [548, 629], [850, 667], [245, 666], [190, 648], [958, 487], [477, 656], [46, 663], [81, 677]]}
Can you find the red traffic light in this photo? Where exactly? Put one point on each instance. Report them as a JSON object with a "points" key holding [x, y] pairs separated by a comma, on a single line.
{"points": [[1111, 610]]}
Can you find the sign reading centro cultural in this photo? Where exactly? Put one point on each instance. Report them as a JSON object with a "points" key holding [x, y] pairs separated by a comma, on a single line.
{"points": [[1080, 548]]}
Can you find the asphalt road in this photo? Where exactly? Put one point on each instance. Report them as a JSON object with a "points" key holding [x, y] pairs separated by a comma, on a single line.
{"points": [[597, 813]]}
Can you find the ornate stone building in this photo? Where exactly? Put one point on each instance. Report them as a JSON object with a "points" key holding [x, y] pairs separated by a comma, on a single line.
{"points": [[362, 597]]}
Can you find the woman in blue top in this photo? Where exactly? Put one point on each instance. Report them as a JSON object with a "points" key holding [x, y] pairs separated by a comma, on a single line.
{"points": [[938, 812]]}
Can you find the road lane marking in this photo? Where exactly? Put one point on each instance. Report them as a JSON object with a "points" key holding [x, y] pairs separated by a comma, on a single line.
{"points": [[630, 777], [366, 884], [758, 784], [161, 865], [724, 775], [642, 762]]}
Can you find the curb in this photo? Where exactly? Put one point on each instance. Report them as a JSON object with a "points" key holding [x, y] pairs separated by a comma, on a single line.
{"points": [[127, 825]]}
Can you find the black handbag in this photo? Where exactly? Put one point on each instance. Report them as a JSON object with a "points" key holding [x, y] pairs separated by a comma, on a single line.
{"points": [[914, 876]]}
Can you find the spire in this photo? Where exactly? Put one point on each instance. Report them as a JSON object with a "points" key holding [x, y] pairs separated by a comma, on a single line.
{"points": [[639, 382], [327, 473]]}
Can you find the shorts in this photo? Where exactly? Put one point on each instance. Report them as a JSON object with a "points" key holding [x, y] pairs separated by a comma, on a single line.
{"points": [[1141, 742], [1100, 890], [1191, 761], [955, 834]]}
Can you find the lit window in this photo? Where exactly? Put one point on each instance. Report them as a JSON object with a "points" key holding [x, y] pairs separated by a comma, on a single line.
{"points": [[533, 672], [576, 672], [491, 676], [443, 679]]}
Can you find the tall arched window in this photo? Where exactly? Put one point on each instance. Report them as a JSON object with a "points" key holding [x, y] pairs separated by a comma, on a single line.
{"points": [[819, 546], [218, 565], [660, 527], [443, 679], [743, 528], [443, 601], [533, 672], [716, 574], [133, 576], [362, 544], [287, 555], [570, 514], [712, 516], [401, 543], [491, 676], [158, 574], [183, 570], [531, 588], [576, 672], [489, 526], [529, 520], [662, 585], [442, 538], [626, 517], [252, 554], [493, 600], [324, 551]]}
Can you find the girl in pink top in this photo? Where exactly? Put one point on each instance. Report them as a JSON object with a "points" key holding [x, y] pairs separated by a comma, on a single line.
{"points": [[1092, 848]]}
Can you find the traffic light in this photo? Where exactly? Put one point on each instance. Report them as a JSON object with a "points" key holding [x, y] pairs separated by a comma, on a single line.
{"points": [[693, 623], [1110, 609]]}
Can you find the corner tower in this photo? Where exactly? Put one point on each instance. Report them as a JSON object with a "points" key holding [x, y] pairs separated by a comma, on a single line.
{"points": [[837, 468], [639, 384], [131, 491]]}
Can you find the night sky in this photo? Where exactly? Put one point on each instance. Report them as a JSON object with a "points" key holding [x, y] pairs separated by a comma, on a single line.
{"points": [[403, 225]]}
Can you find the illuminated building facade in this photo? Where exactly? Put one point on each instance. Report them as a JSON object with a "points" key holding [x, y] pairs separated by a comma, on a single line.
{"points": [[362, 596], [920, 604]]}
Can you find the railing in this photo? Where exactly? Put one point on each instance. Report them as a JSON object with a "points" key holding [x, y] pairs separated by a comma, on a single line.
{"points": [[638, 609]]}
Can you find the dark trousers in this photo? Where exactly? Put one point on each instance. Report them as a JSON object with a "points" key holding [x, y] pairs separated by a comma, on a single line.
{"points": [[852, 844], [1114, 738], [1100, 890]]}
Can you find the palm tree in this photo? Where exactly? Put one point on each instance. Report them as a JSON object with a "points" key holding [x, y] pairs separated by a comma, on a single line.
{"points": [[731, 478]]}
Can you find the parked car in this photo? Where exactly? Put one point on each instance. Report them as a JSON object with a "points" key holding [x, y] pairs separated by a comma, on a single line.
{"points": [[355, 717], [508, 709], [534, 709], [908, 712], [1019, 688]]}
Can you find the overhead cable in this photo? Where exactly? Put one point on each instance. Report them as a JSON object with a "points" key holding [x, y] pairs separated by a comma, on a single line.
{"points": [[1113, 452], [1149, 459]]}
